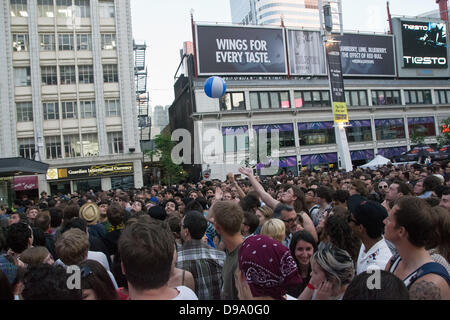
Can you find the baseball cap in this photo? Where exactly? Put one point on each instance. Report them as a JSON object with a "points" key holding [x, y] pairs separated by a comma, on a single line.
{"points": [[370, 214], [354, 201], [157, 212], [154, 199]]}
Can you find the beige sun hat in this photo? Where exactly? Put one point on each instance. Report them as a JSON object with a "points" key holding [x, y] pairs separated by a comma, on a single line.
{"points": [[90, 212]]}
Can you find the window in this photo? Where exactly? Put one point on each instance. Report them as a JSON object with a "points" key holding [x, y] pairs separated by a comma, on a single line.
{"points": [[51, 110], [47, 42], [421, 126], [232, 101], [69, 109], [235, 139], [442, 96], [390, 129], [106, 9], [417, 96], [285, 134], [122, 183], [18, 8], [272, 99], [82, 8], [27, 148], [112, 108], [64, 8], [45, 8], [49, 76], [85, 74], [108, 41], [312, 99], [53, 147], [72, 146], [67, 74], [359, 130], [356, 97], [386, 97], [311, 133], [65, 42], [24, 111], [22, 77], [84, 42], [110, 73], [87, 109], [20, 42], [115, 142], [90, 144]]}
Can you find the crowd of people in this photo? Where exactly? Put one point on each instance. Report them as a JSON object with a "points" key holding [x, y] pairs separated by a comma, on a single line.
{"points": [[323, 235]]}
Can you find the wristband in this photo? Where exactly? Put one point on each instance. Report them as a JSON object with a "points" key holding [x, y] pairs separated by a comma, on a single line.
{"points": [[309, 285]]}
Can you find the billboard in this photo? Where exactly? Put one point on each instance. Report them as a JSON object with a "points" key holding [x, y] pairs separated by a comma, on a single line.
{"points": [[424, 44], [306, 53], [227, 50], [367, 55]]}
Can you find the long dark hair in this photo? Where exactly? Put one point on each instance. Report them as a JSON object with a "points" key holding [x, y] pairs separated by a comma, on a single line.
{"points": [[301, 235], [95, 277]]}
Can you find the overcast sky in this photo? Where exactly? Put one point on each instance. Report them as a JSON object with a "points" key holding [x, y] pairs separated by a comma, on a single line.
{"points": [[165, 25]]}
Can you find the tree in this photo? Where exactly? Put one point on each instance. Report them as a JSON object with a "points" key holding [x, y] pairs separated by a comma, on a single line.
{"points": [[444, 135], [417, 137], [172, 173]]}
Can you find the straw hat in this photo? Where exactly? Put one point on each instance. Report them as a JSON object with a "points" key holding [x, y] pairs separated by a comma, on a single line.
{"points": [[90, 212]]}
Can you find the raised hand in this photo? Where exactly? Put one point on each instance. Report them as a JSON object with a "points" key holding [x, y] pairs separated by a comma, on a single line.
{"points": [[219, 193], [246, 171]]}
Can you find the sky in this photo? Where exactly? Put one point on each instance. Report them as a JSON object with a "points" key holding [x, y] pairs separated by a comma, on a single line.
{"points": [[165, 24]]}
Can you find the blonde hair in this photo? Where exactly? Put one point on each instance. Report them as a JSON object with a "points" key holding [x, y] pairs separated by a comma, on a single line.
{"points": [[34, 255], [266, 211], [72, 246], [274, 228]]}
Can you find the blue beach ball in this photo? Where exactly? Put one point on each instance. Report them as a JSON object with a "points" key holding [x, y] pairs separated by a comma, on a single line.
{"points": [[215, 87]]}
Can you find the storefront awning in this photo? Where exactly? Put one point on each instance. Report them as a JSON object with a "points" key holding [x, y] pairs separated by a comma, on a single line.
{"points": [[21, 167]]}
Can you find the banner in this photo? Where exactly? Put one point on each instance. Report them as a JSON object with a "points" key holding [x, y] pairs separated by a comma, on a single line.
{"points": [[424, 44], [25, 183], [102, 170], [367, 55], [306, 53], [227, 50], [336, 82]]}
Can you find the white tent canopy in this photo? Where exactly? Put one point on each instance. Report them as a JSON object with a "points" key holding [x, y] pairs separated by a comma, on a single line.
{"points": [[378, 161]]}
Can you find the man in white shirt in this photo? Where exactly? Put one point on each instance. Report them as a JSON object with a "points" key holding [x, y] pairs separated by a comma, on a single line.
{"points": [[366, 221]]}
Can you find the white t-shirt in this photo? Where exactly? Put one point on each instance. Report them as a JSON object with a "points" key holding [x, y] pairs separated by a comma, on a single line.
{"points": [[378, 255], [185, 294]]}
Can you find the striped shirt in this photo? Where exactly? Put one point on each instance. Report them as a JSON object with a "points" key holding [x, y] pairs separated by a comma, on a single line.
{"points": [[205, 264]]}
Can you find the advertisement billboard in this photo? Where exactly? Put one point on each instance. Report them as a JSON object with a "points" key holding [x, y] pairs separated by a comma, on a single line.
{"points": [[228, 50], [306, 53], [367, 55], [424, 44]]}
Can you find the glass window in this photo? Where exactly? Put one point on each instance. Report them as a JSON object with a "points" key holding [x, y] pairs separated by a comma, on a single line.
{"points": [[307, 99], [64, 8], [106, 9], [112, 108], [72, 146], [45, 8], [67, 74], [326, 98], [51, 110], [49, 76], [448, 97], [84, 42], [90, 144], [53, 147], [232, 101], [359, 130], [347, 98], [313, 133], [419, 96], [413, 97], [389, 129], [407, 97], [22, 77], [274, 100], [385, 97], [110, 73], [317, 101], [235, 139], [87, 109], [27, 148], [396, 99], [65, 42], [69, 109], [254, 102], [86, 74], [115, 142], [86, 185], [20, 42], [122, 183], [47, 42], [108, 41], [355, 99], [24, 111], [389, 97], [421, 126], [18, 8], [82, 8], [264, 100], [363, 98]]}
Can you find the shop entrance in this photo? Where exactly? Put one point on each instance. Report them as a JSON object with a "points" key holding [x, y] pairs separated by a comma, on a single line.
{"points": [[60, 187]]}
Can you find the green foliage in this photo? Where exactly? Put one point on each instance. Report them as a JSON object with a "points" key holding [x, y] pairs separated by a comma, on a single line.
{"points": [[417, 137], [172, 173]]}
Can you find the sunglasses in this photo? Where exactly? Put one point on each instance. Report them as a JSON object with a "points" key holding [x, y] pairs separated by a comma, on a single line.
{"points": [[383, 187], [289, 220], [85, 271]]}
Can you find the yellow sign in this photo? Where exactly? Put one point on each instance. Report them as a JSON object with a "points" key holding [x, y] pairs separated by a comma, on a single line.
{"points": [[52, 174], [340, 112]]}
